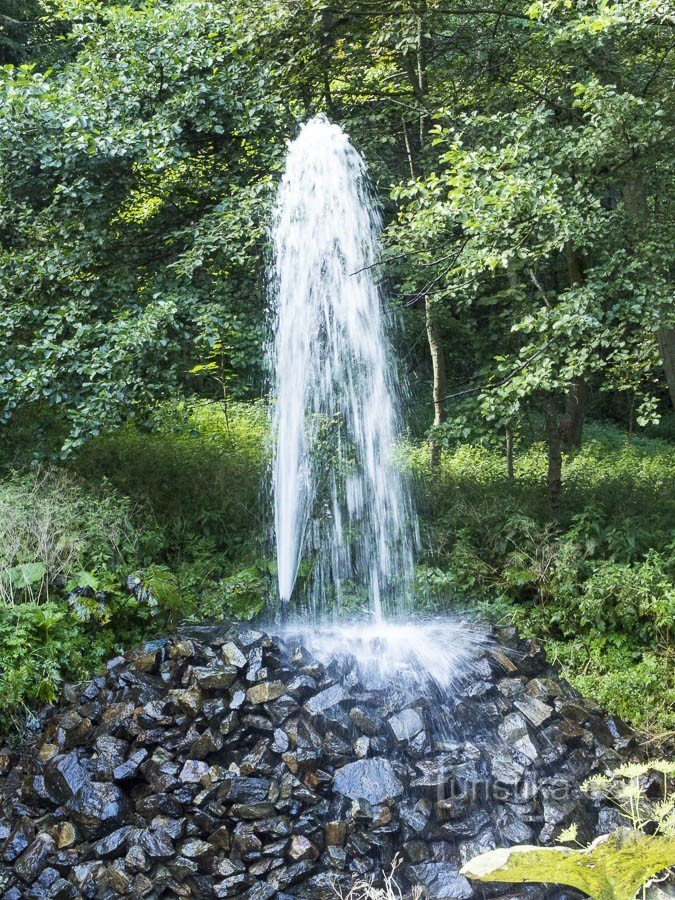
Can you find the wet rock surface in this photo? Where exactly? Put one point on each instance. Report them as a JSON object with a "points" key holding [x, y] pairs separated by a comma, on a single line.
{"points": [[226, 763]]}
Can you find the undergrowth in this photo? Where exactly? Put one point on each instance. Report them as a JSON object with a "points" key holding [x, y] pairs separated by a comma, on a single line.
{"points": [[179, 505]]}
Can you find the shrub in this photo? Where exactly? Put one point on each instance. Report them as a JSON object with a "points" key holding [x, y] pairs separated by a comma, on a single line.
{"points": [[52, 528], [197, 474]]}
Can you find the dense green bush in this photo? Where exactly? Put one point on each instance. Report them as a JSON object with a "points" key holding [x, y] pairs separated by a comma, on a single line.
{"points": [[197, 472], [52, 531]]}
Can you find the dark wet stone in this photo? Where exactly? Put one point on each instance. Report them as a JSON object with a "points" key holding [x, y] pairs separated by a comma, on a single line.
{"points": [[31, 862], [327, 699], [248, 790], [292, 875], [207, 743], [279, 710], [232, 655], [137, 860], [97, 805], [281, 742], [534, 710], [217, 677], [406, 725], [514, 730], [322, 886], [301, 686], [416, 851], [442, 881], [19, 838], [193, 771], [300, 848], [434, 774], [129, 768], [231, 887], [114, 844], [415, 818], [265, 691], [251, 810], [373, 780], [481, 843], [157, 845], [65, 775]]}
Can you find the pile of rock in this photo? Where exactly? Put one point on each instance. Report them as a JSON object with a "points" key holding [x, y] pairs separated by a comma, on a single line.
{"points": [[224, 763]]}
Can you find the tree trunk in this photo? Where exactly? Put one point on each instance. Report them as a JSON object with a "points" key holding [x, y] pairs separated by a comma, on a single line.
{"points": [[554, 475], [440, 378], [509, 453], [571, 428], [415, 68]]}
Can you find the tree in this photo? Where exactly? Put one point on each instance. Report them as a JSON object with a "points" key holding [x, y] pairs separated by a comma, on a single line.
{"points": [[135, 182], [534, 195]]}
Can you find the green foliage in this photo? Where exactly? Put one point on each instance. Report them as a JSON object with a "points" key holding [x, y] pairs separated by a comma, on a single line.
{"points": [[597, 587], [631, 788], [135, 187], [71, 536], [197, 474], [52, 528]]}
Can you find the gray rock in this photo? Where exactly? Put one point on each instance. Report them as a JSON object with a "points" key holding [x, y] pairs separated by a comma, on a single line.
{"points": [[324, 700], [373, 780], [216, 677], [406, 725], [442, 881], [113, 844], [129, 768], [65, 775], [248, 790], [193, 771], [31, 862], [265, 691], [535, 710], [232, 655], [18, 840], [514, 731], [97, 805]]}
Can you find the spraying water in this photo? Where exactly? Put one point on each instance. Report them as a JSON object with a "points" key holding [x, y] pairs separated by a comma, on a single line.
{"points": [[339, 499]]}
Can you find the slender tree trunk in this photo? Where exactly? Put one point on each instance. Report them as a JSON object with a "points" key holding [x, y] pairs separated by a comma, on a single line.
{"points": [[571, 428], [554, 475], [509, 453], [666, 339], [326, 43], [440, 378], [416, 71]]}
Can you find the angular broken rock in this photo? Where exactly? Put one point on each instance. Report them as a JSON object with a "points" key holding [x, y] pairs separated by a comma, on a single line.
{"points": [[300, 848], [372, 780], [215, 677], [406, 725], [265, 691]]}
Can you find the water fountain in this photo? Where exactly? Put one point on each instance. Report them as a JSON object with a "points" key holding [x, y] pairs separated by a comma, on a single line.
{"points": [[340, 499]]}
